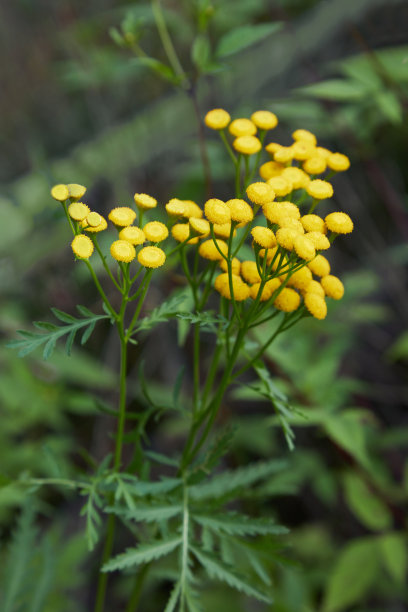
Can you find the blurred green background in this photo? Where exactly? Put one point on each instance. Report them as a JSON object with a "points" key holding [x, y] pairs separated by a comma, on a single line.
{"points": [[79, 105]]}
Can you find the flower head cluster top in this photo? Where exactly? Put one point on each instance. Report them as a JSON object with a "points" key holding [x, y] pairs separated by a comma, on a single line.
{"points": [[267, 241]]}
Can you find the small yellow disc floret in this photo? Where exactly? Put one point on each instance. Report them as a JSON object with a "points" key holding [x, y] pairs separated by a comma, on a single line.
{"points": [[285, 237], [260, 193], [339, 222], [270, 169], [315, 287], [94, 219], [302, 150], [76, 191], [60, 193], [122, 250], [264, 120], [304, 248], [181, 231], [240, 210], [283, 155], [242, 127], [177, 208], [151, 257], [132, 234], [338, 162], [304, 135], [155, 231], [78, 211], [217, 119], [240, 289], [319, 240], [300, 279], [249, 272], [208, 250], [235, 265], [281, 186], [313, 223], [333, 287], [82, 246], [122, 216], [199, 226], [315, 165], [319, 266], [192, 209], [217, 211], [316, 305], [320, 190], [247, 145], [144, 201], [288, 300], [296, 176], [264, 237]]}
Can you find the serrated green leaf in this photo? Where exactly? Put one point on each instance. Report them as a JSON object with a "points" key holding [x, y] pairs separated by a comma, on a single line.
{"points": [[340, 90], [355, 571], [158, 67], [162, 459], [87, 333], [45, 325], [240, 38], [63, 316], [367, 507], [148, 514], [219, 570], [205, 320], [143, 554], [239, 524], [162, 313], [49, 348], [174, 596], [393, 548], [70, 341], [229, 481], [348, 429]]}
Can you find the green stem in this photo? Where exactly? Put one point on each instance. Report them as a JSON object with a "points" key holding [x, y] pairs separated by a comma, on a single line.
{"points": [[196, 367], [64, 206], [105, 265], [167, 42], [238, 177], [228, 147], [101, 291], [146, 282], [137, 589]]}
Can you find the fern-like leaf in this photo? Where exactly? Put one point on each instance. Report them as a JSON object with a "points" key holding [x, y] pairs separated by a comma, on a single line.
{"points": [[162, 313], [143, 554], [148, 514], [174, 597], [239, 524], [50, 333], [206, 320]]}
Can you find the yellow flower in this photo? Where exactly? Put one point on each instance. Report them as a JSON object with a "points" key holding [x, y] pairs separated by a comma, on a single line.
{"points": [[192, 209], [333, 287], [223, 230], [272, 147], [94, 219], [235, 265], [288, 300], [122, 216], [264, 237], [78, 211], [325, 153], [304, 135], [319, 265], [217, 211], [82, 246], [155, 231], [315, 287], [339, 222], [268, 290], [76, 191], [285, 237], [270, 169], [199, 226], [292, 223], [132, 234], [281, 186], [240, 211], [217, 119], [177, 208], [247, 145], [60, 193], [304, 248], [264, 120], [315, 165], [296, 176], [249, 272], [320, 190], [319, 240], [240, 289], [181, 231], [144, 201], [275, 212], [283, 155], [270, 254], [313, 223], [98, 228], [208, 250], [122, 250], [338, 162], [260, 193], [316, 305], [302, 150], [300, 279], [242, 127], [151, 257]]}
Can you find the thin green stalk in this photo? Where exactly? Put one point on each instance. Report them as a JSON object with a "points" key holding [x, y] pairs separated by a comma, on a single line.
{"points": [[196, 368], [238, 177], [167, 42], [185, 546], [105, 265], [228, 147], [101, 291], [137, 589], [146, 281], [64, 206]]}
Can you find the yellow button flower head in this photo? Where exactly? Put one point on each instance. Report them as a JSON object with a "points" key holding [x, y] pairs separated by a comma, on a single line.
{"points": [[315, 287], [242, 127], [270, 169], [260, 193], [315, 165], [272, 147], [320, 241], [76, 191], [338, 162], [60, 193], [296, 176], [281, 186], [235, 265], [302, 150], [240, 289], [275, 212], [283, 155], [217, 119], [78, 211], [223, 230], [333, 287], [240, 210], [316, 305], [292, 223], [288, 300], [264, 237], [192, 209], [95, 229], [247, 145], [208, 250], [319, 266], [325, 153], [82, 246], [155, 231], [270, 254], [268, 290], [177, 208], [144, 201], [122, 250], [320, 190], [249, 272], [301, 278], [217, 211], [304, 248], [285, 237], [181, 231], [199, 226], [339, 222], [151, 257], [94, 219], [313, 223], [122, 216], [132, 234], [304, 135], [264, 120]]}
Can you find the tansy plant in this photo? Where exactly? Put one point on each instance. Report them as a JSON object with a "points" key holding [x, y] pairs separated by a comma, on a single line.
{"points": [[253, 260]]}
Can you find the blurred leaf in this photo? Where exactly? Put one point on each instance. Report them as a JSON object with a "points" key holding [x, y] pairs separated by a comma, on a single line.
{"points": [[348, 430], [158, 67], [354, 572], [394, 555], [340, 90], [14, 224], [367, 507], [200, 52], [399, 350], [143, 554], [389, 105], [245, 36]]}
